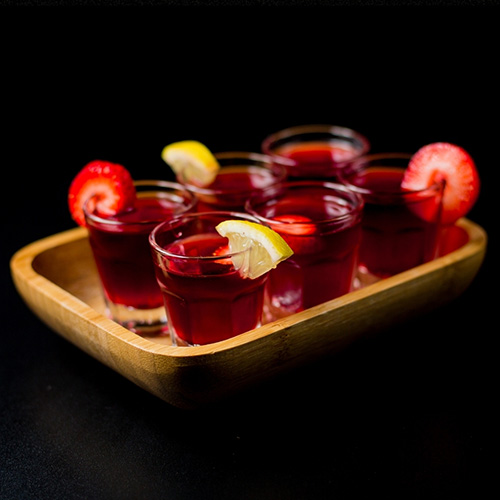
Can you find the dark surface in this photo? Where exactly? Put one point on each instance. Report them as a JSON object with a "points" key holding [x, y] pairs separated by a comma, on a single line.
{"points": [[408, 413]]}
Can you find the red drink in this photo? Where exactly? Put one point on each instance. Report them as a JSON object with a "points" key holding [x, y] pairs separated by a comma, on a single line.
{"points": [[123, 257], [316, 151], [400, 228], [206, 298], [316, 159], [241, 175], [321, 223]]}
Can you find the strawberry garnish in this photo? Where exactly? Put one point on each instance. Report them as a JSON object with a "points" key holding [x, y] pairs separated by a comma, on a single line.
{"points": [[223, 250], [442, 161], [108, 185], [299, 225]]}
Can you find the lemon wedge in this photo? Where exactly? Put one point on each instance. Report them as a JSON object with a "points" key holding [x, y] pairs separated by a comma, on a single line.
{"points": [[267, 247], [192, 161]]}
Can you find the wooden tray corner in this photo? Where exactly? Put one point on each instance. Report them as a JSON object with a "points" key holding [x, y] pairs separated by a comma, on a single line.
{"points": [[57, 279]]}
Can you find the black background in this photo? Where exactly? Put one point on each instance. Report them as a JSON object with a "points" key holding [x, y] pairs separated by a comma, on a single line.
{"points": [[406, 414]]}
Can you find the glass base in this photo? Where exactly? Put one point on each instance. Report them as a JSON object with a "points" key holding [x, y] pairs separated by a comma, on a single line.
{"points": [[178, 342], [272, 313], [364, 278], [281, 306], [144, 322]]}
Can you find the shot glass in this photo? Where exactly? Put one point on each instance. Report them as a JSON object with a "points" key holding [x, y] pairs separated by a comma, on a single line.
{"points": [[400, 228], [206, 298], [241, 175], [321, 223], [316, 151], [123, 258]]}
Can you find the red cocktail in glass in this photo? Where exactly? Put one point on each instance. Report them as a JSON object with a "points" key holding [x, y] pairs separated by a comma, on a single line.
{"points": [[206, 298], [316, 151], [321, 223], [123, 257], [241, 175], [400, 228]]}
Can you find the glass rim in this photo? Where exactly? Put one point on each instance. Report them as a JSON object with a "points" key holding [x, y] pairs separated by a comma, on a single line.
{"points": [[290, 132], [333, 186], [436, 187], [178, 219], [154, 183], [266, 163], [244, 155]]}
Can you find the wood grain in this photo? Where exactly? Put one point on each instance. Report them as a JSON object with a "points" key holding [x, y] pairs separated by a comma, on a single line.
{"points": [[57, 279]]}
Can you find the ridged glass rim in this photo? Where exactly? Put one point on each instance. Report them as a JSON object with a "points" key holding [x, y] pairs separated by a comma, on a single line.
{"points": [[356, 198], [178, 219], [171, 185], [296, 131], [357, 168]]}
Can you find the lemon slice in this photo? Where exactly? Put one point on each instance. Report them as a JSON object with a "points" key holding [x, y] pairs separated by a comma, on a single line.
{"points": [[192, 161], [267, 247]]}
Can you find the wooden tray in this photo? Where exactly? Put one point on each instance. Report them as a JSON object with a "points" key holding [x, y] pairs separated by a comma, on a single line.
{"points": [[57, 279]]}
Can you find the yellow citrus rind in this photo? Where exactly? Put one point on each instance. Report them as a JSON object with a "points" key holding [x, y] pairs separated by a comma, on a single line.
{"points": [[192, 162], [267, 247]]}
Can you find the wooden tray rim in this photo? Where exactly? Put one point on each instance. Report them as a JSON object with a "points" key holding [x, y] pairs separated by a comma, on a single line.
{"points": [[22, 267]]}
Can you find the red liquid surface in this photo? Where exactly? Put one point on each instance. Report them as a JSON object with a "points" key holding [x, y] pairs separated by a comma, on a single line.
{"points": [[123, 256], [232, 187], [317, 159], [209, 301], [325, 256], [394, 237]]}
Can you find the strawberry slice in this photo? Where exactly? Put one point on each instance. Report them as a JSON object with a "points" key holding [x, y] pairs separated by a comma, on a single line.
{"points": [[300, 225], [110, 184], [442, 161], [223, 250]]}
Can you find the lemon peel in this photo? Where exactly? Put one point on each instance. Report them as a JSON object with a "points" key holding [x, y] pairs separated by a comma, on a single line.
{"points": [[267, 247], [191, 161]]}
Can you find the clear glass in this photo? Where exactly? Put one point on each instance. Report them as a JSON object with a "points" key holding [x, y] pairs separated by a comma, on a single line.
{"points": [[241, 175], [121, 252], [316, 151], [321, 223], [400, 228], [207, 300]]}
